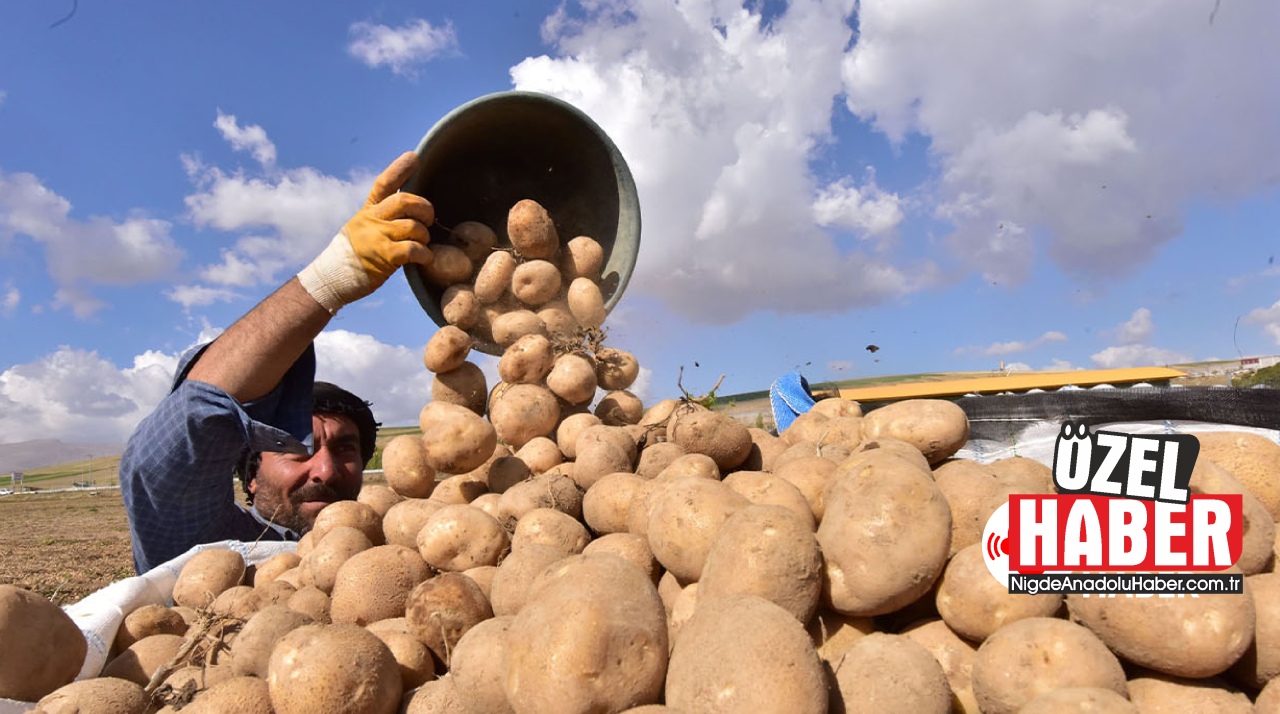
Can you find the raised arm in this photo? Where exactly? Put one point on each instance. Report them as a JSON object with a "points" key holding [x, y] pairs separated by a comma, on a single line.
{"points": [[249, 359]]}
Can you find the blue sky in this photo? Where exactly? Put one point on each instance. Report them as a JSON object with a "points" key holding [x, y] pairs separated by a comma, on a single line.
{"points": [[1063, 184]]}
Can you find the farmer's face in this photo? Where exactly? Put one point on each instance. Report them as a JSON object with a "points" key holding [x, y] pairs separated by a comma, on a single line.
{"points": [[291, 489]]}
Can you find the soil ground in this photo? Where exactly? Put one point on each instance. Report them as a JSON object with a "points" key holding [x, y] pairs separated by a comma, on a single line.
{"points": [[64, 546]]}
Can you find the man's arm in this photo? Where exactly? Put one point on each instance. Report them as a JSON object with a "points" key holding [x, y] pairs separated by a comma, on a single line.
{"points": [[248, 360]]}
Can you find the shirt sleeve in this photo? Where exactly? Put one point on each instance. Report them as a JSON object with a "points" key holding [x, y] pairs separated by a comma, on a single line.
{"points": [[177, 470]]}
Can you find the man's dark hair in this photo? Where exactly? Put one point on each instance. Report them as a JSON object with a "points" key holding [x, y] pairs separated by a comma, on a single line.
{"points": [[326, 398]]}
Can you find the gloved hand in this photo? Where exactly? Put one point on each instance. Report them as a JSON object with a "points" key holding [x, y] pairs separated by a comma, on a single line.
{"points": [[389, 231]]}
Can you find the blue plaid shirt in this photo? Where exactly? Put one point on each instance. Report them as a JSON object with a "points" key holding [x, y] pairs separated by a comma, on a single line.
{"points": [[177, 471]]}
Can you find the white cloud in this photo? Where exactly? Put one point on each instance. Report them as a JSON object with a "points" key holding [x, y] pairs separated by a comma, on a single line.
{"points": [[868, 210], [75, 395], [252, 138], [80, 254], [720, 114], [285, 217], [1137, 329], [1136, 356], [401, 48], [1060, 365], [12, 297], [1268, 318], [1093, 140], [392, 377], [1017, 367], [190, 296], [999, 349]]}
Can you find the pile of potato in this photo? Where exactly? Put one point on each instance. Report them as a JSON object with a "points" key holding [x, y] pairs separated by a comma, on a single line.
{"points": [[533, 554]]}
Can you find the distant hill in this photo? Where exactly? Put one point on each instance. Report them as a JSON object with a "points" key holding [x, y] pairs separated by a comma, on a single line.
{"points": [[38, 453]]}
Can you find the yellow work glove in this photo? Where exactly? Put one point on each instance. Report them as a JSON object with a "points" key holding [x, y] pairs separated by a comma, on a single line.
{"points": [[389, 231]]}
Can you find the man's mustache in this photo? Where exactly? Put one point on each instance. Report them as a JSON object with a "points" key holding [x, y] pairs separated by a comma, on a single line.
{"points": [[315, 491]]}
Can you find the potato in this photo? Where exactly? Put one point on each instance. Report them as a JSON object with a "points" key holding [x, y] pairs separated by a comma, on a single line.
{"points": [[690, 466], [483, 575], [805, 449], [206, 575], [522, 412], [616, 435], [459, 307], [535, 282], [106, 695], [276, 592], [374, 584], [593, 639], [455, 438], [586, 303], [1268, 701], [547, 526], [607, 502], [464, 385], [808, 426], [1027, 658], [1259, 527], [616, 369], [718, 665], [404, 465], [447, 349], [479, 665], [540, 454], [657, 456], [475, 239], [1253, 459], [312, 602], [311, 672], [514, 324], [1029, 475], [378, 497], [885, 537], [570, 429], [559, 321], [239, 602], [527, 361], [974, 604], [141, 660], [702, 431], [513, 582], [956, 656], [416, 663], [682, 609], [320, 566], [619, 408], [546, 490], [506, 472], [197, 676], [1085, 700], [891, 673], [573, 378], [597, 459], [1261, 662], [352, 514], [43, 647], [149, 620], [439, 696], [459, 537], [405, 519], [973, 492], [769, 551], [1154, 693], [531, 230], [684, 519], [1185, 637], [449, 267], [937, 427], [811, 476], [251, 651], [765, 488], [493, 279], [583, 257], [629, 547], [441, 610]]}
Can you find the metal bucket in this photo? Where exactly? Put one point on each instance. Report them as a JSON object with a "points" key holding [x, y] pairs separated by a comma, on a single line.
{"points": [[488, 154]]}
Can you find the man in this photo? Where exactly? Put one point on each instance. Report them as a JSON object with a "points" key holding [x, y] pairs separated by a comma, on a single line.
{"points": [[246, 403]]}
